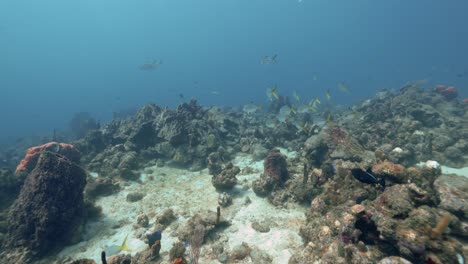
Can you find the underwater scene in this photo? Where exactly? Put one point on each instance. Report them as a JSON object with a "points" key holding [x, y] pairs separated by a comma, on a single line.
{"points": [[233, 131]]}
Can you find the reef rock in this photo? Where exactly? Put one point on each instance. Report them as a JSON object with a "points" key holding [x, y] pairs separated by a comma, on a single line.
{"points": [[453, 193], [226, 179], [50, 208], [275, 173]]}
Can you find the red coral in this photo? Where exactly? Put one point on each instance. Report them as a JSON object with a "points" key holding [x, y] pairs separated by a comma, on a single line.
{"points": [[33, 153], [449, 92]]}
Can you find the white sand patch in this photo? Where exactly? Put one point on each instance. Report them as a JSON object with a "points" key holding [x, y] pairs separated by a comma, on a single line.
{"points": [[460, 172], [188, 193]]}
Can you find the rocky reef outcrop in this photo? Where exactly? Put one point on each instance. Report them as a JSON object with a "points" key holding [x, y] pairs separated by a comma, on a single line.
{"points": [[181, 137], [412, 125], [275, 174], [49, 211], [354, 222]]}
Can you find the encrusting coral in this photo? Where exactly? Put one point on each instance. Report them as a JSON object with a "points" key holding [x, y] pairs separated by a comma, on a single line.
{"points": [[32, 155]]}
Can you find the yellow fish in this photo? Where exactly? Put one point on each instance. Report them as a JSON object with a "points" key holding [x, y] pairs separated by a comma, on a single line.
{"points": [[293, 110], [328, 94], [312, 107], [329, 122], [305, 128], [115, 249], [317, 100], [296, 96], [273, 92]]}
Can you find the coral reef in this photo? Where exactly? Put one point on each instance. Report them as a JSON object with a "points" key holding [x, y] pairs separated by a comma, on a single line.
{"points": [[49, 210], [415, 213]]}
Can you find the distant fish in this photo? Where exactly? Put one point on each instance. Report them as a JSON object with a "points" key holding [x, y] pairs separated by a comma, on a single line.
{"points": [[312, 106], [274, 93], [271, 93], [150, 65], [367, 177], [250, 108], [284, 112], [115, 249], [303, 109], [329, 119], [268, 59], [343, 87], [296, 96], [314, 77], [293, 110], [181, 96], [317, 100], [215, 93], [305, 128], [327, 94]]}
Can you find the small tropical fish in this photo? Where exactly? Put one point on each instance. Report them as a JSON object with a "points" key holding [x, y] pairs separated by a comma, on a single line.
{"points": [[215, 93], [317, 100], [328, 94], [303, 109], [181, 96], [150, 65], [115, 249], [367, 177], [296, 96], [343, 87], [250, 108], [293, 110], [328, 120], [273, 92], [312, 106], [268, 59], [283, 114], [305, 128]]}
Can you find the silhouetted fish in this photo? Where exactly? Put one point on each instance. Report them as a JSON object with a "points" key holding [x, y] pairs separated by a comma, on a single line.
{"points": [[367, 177], [153, 237]]}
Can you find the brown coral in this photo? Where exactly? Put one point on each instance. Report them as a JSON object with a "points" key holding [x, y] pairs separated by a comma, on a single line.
{"points": [[388, 168]]}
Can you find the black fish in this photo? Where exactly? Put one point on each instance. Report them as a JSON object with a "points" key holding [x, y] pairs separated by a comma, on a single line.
{"points": [[367, 177], [153, 237]]}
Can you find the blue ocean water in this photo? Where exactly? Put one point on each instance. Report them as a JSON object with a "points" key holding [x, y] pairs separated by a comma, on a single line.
{"points": [[62, 57]]}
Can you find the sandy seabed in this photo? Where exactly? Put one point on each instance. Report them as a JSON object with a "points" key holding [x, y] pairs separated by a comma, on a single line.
{"points": [[187, 193]]}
